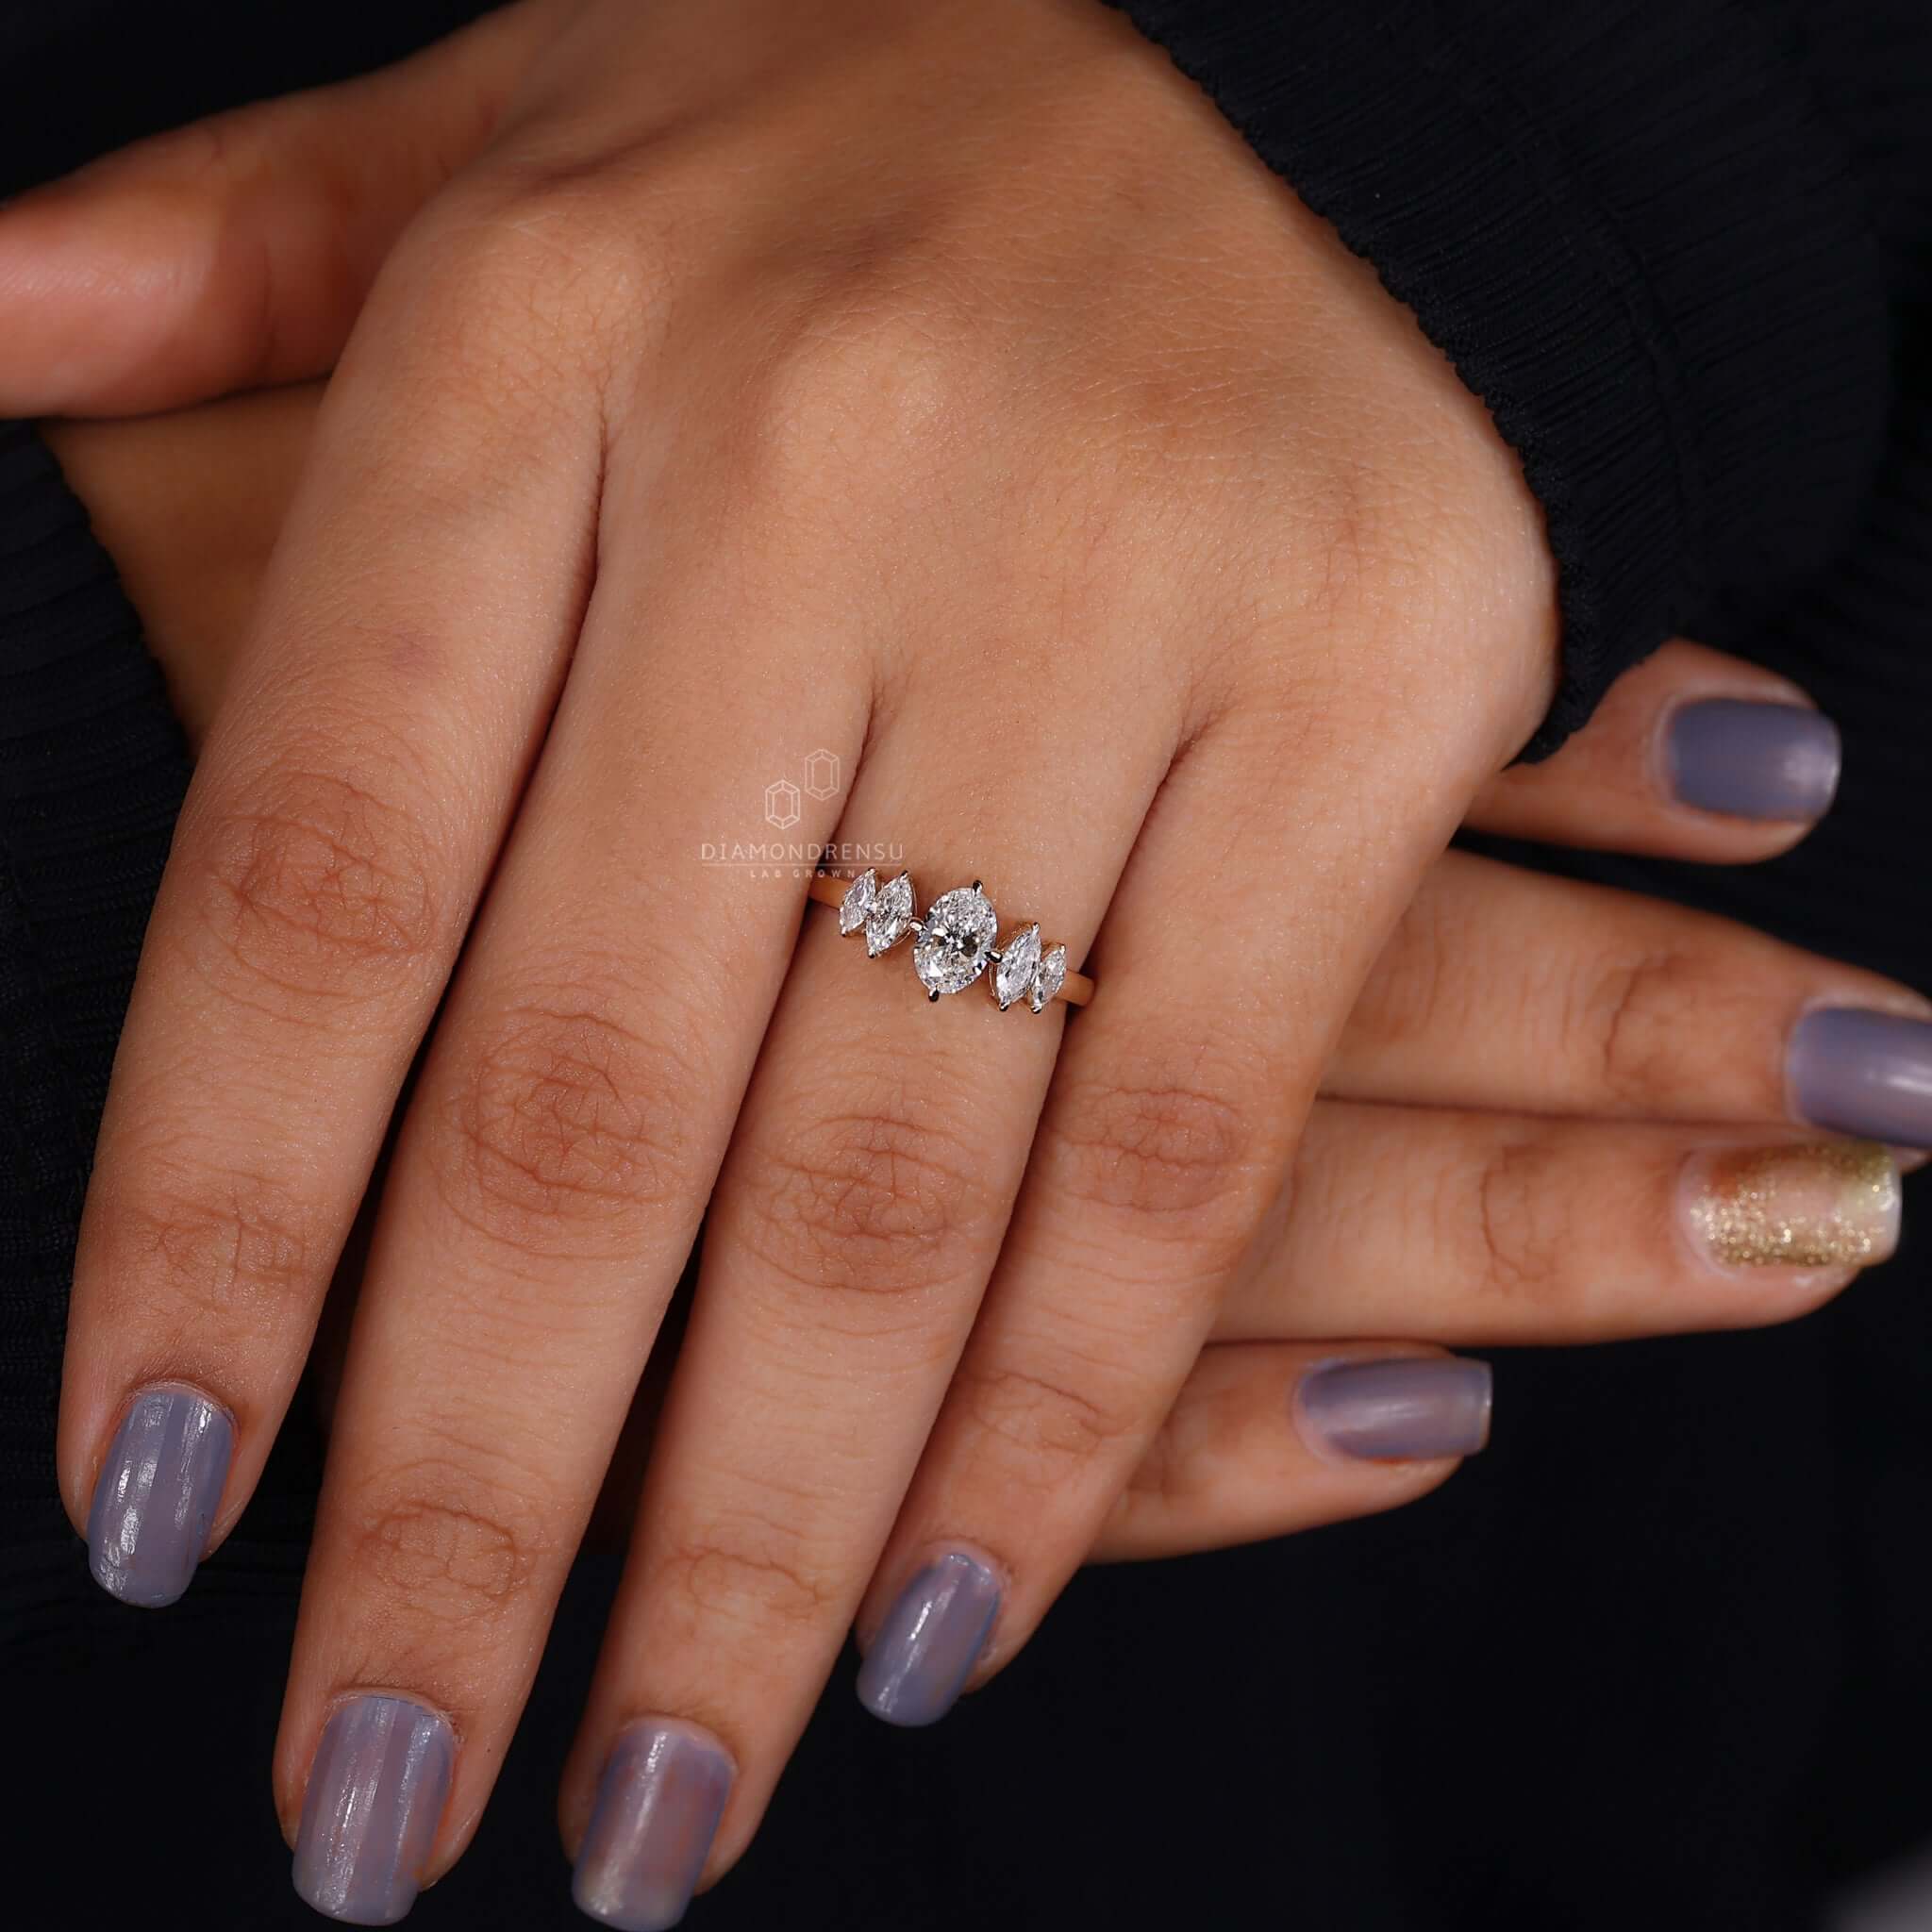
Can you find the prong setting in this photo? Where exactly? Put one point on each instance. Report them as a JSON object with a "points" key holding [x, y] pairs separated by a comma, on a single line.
{"points": [[956, 941]]}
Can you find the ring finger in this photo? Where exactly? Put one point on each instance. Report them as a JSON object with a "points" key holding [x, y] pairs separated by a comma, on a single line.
{"points": [[859, 1215]]}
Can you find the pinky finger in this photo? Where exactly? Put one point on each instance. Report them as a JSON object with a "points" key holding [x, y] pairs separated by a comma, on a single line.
{"points": [[1270, 1438], [1691, 755]]}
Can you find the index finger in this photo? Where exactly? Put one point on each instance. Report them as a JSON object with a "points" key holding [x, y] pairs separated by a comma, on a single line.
{"points": [[420, 608]]}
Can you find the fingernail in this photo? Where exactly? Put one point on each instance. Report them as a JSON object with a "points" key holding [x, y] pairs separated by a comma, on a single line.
{"points": [[1835, 1205], [1753, 760], [1396, 1408], [659, 1803], [929, 1642], [1864, 1073], [155, 1499], [375, 1797]]}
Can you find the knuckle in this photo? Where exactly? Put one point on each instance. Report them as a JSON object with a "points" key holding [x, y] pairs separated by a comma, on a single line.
{"points": [[229, 1245], [321, 888], [888, 1198], [563, 1130], [1049, 1417], [528, 269], [1515, 1225], [747, 1569], [1632, 1019], [1162, 1144], [211, 151], [876, 362], [452, 1545]]}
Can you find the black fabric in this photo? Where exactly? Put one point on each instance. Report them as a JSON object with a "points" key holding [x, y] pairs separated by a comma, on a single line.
{"points": [[1639, 239], [91, 770], [1654, 1660]]}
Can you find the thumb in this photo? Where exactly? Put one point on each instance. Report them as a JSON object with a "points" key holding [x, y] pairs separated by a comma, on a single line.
{"points": [[238, 251]]}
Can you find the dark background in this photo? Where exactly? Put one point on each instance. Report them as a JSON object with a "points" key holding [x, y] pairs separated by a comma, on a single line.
{"points": [[1657, 1658]]}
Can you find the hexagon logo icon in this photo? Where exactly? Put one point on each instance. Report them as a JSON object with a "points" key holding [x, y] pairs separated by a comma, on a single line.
{"points": [[781, 803], [822, 773]]}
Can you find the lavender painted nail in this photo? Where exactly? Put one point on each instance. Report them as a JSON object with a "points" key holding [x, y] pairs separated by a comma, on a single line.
{"points": [[929, 1642], [375, 1797], [1863, 1072], [156, 1496], [659, 1803], [1754, 761], [1397, 1409]]}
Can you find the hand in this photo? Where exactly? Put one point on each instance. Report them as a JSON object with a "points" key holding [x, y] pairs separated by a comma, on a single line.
{"points": [[350, 945], [1502, 993]]}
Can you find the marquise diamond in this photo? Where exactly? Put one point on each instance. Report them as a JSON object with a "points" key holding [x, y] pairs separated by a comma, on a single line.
{"points": [[1019, 958], [858, 902], [890, 917], [954, 941], [1048, 978]]}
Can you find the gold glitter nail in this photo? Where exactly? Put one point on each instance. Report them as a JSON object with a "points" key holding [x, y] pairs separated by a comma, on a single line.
{"points": [[1832, 1204]]}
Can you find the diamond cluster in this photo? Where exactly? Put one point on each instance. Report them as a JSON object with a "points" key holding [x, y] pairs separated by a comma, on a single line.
{"points": [[954, 944]]}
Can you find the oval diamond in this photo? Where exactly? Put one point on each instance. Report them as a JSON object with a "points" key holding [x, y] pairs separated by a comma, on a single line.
{"points": [[1049, 977], [954, 941], [1014, 976], [889, 918], [858, 901]]}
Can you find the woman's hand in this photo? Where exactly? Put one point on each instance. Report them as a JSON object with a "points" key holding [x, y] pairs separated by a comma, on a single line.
{"points": [[942, 389], [949, 389], [1498, 989]]}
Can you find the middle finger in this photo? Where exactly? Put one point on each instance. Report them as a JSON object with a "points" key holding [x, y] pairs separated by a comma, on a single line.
{"points": [[1507, 990], [856, 1223], [545, 1192]]}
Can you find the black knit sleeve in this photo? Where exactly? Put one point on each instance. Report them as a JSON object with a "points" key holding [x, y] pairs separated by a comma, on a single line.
{"points": [[1643, 241], [93, 767]]}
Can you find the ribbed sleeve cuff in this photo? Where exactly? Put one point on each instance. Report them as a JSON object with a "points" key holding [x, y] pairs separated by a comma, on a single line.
{"points": [[1640, 243], [93, 767]]}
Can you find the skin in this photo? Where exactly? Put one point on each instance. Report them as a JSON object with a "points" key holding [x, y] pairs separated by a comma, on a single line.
{"points": [[708, 371]]}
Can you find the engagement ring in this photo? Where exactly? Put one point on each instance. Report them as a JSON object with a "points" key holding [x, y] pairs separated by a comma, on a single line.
{"points": [[954, 944]]}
